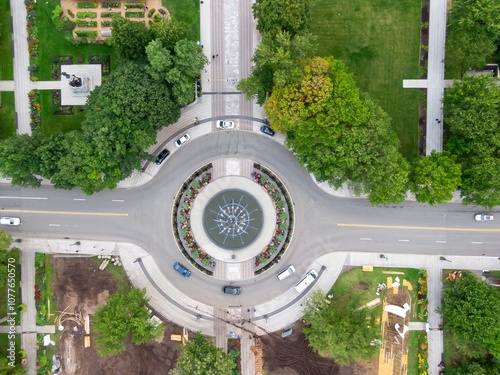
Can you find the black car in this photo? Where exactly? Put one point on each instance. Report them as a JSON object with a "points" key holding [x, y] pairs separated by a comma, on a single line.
{"points": [[163, 155], [267, 130], [234, 290]]}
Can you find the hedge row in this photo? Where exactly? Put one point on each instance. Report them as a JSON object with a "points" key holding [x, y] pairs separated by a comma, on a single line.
{"points": [[134, 5], [134, 14], [86, 5], [86, 33], [83, 23], [109, 14], [111, 5], [86, 15]]}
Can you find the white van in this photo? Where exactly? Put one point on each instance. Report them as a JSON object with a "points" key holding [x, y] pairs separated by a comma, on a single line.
{"points": [[283, 274], [306, 281]]}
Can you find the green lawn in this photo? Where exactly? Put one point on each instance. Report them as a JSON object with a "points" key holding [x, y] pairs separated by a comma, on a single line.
{"points": [[6, 72], [187, 11], [54, 42], [364, 284], [379, 40], [57, 123], [7, 115]]}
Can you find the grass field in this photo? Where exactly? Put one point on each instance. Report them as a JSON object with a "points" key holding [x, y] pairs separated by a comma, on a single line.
{"points": [[6, 70], [7, 115], [412, 353], [379, 40], [187, 11], [363, 285], [57, 123]]}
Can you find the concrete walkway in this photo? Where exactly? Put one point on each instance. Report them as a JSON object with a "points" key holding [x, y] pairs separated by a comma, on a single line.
{"points": [[435, 82], [28, 320]]}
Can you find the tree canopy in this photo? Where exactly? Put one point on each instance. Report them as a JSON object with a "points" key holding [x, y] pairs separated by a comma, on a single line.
{"points": [[125, 314], [201, 357], [337, 134], [282, 15], [472, 32], [339, 331], [129, 38], [435, 178], [471, 310], [472, 116]]}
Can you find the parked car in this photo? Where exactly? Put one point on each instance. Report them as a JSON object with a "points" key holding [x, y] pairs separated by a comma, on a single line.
{"points": [[283, 274], [10, 221], [224, 124], [182, 140], [182, 270], [267, 130], [483, 217], [234, 290], [162, 156]]}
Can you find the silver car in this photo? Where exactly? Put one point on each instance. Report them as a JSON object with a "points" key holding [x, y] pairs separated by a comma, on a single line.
{"points": [[483, 217], [10, 221], [182, 140]]}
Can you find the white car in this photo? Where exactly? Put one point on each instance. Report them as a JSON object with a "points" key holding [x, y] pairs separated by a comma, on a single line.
{"points": [[182, 140], [224, 124], [10, 221], [483, 217]]}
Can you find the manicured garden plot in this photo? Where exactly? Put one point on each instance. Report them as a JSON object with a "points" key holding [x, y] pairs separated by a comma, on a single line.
{"points": [[134, 14], [7, 115], [109, 14], [86, 15], [187, 11], [53, 123], [53, 41], [379, 40], [6, 70], [86, 5]]}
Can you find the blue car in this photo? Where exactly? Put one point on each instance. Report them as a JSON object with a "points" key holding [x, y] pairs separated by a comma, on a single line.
{"points": [[182, 270]]}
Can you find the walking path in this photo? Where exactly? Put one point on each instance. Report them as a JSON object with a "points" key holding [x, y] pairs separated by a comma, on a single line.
{"points": [[435, 82]]}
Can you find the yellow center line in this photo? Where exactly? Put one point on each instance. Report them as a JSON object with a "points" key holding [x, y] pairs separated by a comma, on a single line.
{"points": [[417, 228], [66, 212]]}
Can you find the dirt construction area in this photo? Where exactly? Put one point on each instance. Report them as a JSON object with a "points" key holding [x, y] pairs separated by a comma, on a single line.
{"points": [[79, 286]]}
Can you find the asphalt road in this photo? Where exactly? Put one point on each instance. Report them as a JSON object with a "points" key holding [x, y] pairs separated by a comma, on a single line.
{"points": [[323, 223]]}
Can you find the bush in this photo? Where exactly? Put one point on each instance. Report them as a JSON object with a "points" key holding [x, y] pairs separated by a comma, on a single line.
{"points": [[85, 5], [157, 18], [134, 5], [71, 14], [86, 14], [57, 12], [83, 23], [86, 34], [111, 5], [151, 12], [134, 14]]}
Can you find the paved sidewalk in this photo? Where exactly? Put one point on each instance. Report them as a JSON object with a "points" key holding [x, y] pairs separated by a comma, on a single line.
{"points": [[28, 321]]}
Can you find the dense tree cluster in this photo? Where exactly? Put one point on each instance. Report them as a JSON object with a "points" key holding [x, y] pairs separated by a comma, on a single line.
{"points": [[125, 314], [473, 32], [471, 310], [201, 357], [334, 130], [341, 331], [472, 118], [154, 79]]}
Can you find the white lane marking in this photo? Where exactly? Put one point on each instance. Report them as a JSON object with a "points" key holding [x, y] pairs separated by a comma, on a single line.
{"points": [[79, 199], [477, 243], [440, 241], [117, 200], [403, 240], [365, 239], [23, 198], [54, 225]]}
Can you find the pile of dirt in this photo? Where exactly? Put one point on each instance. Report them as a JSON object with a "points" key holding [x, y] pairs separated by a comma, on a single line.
{"points": [[79, 286], [293, 356]]}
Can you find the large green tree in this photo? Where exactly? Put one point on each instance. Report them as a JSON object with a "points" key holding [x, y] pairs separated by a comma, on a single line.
{"points": [[129, 38], [282, 15], [473, 30], [435, 178], [125, 314], [201, 357], [341, 331], [170, 31], [472, 116], [277, 62], [338, 135], [18, 161], [471, 310]]}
